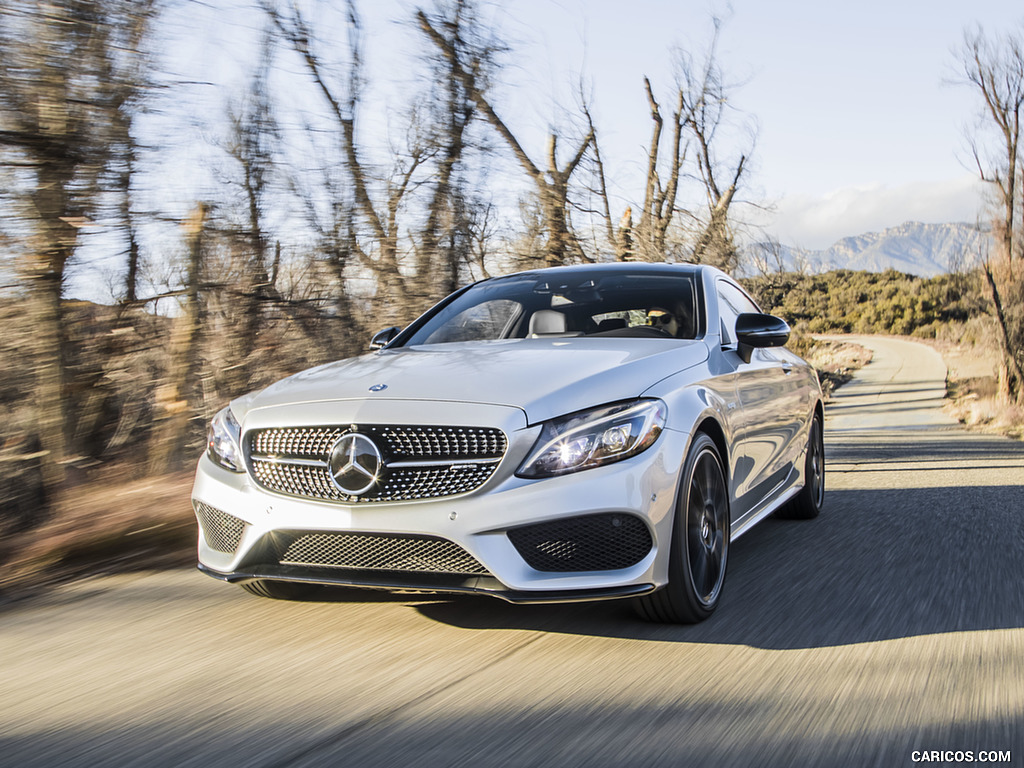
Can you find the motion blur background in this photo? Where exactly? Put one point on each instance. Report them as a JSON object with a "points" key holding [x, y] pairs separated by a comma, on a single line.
{"points": [[201, 198]]}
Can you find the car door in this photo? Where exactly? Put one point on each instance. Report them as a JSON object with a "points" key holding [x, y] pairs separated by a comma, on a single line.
{"points": [[770, 408]]}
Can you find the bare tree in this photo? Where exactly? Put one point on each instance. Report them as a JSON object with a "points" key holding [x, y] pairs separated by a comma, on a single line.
{"points": [[700, 105], [768, 257], [551, 183], [423, 201], [130, 82], [445, 242], [61, 87], [252, 141], [994, 69], [177, 395], [705, 103], [342, 101], [620, 237]]}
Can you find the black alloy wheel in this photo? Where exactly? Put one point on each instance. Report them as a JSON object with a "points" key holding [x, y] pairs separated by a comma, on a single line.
{"points": [[700, 542], [807, 504]]}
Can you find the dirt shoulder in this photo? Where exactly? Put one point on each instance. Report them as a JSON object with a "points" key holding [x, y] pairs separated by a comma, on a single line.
{"points": [[101, 528], [836, 360], [972, 390]]}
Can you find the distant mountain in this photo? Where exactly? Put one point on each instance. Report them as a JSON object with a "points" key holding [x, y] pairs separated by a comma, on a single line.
{"points": [[918, 249]]}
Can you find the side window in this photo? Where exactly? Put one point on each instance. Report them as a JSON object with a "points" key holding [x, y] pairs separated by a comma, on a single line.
{"points": [[732, 302]]}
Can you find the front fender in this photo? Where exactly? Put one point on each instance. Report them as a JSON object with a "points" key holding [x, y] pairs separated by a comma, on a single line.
{"points": [[695, 404]]}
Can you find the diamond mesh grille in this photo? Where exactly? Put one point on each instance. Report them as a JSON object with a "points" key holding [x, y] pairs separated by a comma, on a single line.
{"points": [[381, 552], [297, 480], [401, 485], [399, 442], [295, 461], [603, 542], [304, 443], [452, 442], [221, 530]]}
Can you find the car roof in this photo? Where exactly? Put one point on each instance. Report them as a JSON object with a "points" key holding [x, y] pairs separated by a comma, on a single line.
{"points": [[610, 267]]}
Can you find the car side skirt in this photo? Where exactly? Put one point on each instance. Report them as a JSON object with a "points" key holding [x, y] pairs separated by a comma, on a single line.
{"points": [[783, 492]]}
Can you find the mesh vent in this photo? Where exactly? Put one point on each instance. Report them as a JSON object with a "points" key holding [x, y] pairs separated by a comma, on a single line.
{"points": [[304, 443], [421, 483], [221, 530], [429, 461], [297, 480], [448, 442], [399, 442], [381, 552], [401, 485], [603, 542]]}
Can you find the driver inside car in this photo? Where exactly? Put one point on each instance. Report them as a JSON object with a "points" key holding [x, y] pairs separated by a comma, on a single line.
{"points": [[663, 320]]}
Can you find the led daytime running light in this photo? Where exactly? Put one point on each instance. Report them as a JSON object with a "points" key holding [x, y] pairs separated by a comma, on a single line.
{"points": [[593, 438]]}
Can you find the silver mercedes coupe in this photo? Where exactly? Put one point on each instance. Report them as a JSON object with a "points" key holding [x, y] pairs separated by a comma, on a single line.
{"points": [[575, 433]]}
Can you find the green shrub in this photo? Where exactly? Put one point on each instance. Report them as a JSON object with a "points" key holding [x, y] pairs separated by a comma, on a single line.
{"points": [[887, 302]]}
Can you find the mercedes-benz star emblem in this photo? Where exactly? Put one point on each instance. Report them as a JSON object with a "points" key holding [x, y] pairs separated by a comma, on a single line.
{"points": [[355, 463]]}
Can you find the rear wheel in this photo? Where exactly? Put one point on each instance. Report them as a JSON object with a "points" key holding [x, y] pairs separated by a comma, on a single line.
{"points": [[808, 502], [280, 590], [700, 542]]}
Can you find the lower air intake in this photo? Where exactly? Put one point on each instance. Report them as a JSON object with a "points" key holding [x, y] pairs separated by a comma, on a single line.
{"points": [[221, 530], [604, 542], [381, 552]]}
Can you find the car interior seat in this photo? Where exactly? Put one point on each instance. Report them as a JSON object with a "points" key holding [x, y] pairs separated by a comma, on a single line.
{"points": [[547, 322]]}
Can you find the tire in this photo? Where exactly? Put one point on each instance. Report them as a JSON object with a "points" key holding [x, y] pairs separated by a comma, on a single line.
{"points": [[700, 542], [807, 504], [280, 590]]}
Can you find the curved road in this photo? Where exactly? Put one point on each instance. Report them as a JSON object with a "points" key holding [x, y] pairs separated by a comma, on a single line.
{"points": [[894, 623]]}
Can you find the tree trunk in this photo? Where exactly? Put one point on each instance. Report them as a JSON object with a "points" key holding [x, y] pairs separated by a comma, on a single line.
{"points": [[56, 239], [174, 398], [1011, 377], [50, 403]]}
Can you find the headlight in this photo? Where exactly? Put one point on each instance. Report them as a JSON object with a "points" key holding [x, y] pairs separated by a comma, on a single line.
{"points": [[595, 437], [223, 439]]}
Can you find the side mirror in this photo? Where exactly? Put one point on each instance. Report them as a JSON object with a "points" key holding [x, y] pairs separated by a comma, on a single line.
{"points": [[754, 331], [383, 338]]}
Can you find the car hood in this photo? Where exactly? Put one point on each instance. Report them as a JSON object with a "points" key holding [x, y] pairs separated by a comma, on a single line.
{"points": [[543, 377]]}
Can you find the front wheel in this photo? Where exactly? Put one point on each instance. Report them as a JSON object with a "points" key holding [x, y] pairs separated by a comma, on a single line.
{"points": [[700, 542]]}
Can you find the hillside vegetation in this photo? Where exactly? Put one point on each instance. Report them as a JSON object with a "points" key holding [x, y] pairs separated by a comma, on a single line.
{"points": [[887, 302]]}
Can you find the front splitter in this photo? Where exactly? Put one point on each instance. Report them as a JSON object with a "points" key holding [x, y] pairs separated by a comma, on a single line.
{"points": [[426, 582]]}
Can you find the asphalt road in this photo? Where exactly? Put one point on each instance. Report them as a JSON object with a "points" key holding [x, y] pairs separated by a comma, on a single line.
{"points": [[892, 624]]}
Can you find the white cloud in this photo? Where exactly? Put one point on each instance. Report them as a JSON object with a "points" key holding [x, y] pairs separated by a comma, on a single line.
{"points": [[818, 222]]}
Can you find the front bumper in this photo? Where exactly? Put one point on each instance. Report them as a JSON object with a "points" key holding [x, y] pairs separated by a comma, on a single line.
{"points": [[643, 487]]}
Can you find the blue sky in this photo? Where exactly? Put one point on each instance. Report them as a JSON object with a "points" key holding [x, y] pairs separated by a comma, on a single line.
{"points": [[859, 126]]}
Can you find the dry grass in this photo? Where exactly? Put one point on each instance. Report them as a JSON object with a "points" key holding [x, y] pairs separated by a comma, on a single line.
{"points": [[104, 527], [974, 402], [836, 361], [972, 388]]}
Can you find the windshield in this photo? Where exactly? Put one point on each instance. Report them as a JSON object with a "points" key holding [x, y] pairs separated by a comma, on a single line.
{"points": [[573, 303]]}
